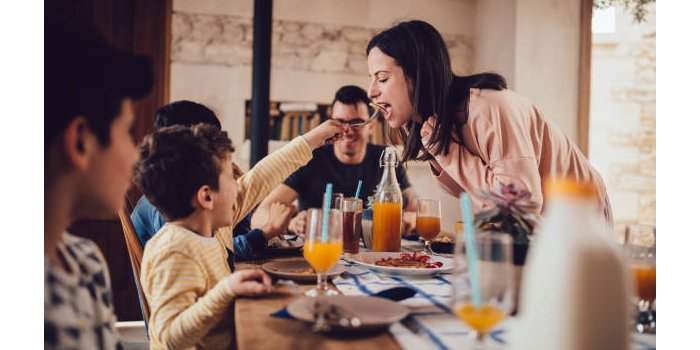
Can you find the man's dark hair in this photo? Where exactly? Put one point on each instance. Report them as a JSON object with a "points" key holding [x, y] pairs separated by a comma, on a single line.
{"points": [[86, 77], [185, 113], [176, 161], [351, 95]]}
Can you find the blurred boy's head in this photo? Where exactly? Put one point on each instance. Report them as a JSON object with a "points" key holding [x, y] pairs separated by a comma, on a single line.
{"points": [[188, 170], [189, 113], [88, 92], [186, 113]]}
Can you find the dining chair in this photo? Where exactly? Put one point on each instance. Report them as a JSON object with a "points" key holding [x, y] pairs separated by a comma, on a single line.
{"points": [[133, 246]]}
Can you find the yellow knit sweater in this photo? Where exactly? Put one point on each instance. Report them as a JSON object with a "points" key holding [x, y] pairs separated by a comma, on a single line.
{"points": [[182, 272]]}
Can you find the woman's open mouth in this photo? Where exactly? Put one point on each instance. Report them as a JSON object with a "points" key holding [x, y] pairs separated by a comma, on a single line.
{"points": [[386, 109]]}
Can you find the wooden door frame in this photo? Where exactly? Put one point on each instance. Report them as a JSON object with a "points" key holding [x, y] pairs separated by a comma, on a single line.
{"points": [[584, 74]]}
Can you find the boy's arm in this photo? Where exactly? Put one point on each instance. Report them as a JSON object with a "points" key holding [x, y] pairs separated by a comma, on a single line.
{"points": [[172, 285], [281, 194], [257, 183]]}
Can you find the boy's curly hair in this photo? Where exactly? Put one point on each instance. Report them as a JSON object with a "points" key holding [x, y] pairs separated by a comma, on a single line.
{"points": [[176, 161]]}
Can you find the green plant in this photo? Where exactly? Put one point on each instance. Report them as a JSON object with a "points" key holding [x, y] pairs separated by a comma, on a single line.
{"points": [[638, 7], [513, 212]]}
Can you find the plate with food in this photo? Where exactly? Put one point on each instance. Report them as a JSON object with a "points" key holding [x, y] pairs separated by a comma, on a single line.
{"points": [[296, 269], [396, 263]]}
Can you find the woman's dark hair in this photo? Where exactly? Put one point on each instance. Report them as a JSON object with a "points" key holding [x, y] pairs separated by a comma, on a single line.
{"points": [[84, 76], [185, 113], [419, 49], [176, 161]]}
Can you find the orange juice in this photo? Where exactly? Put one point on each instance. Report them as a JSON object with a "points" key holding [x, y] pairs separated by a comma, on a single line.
{"points": [[480, 319], [322, 256], [645, 281], [428, 227], [386, 227]]}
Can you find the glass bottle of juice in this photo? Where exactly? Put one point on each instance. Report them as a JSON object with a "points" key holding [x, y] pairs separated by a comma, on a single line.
{"points": [[386, 207]]}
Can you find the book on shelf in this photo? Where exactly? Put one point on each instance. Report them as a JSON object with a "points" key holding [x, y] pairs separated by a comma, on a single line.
{"points": [[293, 125], [315, 120], [289, 119], [285, 129]]}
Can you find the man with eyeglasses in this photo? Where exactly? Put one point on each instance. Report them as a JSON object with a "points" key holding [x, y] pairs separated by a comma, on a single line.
{"points": [[343, 163]]}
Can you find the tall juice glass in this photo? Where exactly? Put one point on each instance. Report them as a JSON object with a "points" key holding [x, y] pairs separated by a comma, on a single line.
{"points": [[323, 253], [337, 201], [428, 221], [484, 309], [352, 225], [640, 248]]}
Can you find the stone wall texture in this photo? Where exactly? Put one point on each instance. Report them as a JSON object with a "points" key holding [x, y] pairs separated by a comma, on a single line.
{"points": [[623, 117], [300, 46]]}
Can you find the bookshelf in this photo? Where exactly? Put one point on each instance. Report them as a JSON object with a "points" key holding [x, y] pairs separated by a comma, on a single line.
{"points": [[289, 119]]}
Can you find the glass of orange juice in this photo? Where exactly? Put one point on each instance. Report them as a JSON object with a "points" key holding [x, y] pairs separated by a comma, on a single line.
{"points": [[428, 221], [485, 306], [640, 248], [323, 251]]}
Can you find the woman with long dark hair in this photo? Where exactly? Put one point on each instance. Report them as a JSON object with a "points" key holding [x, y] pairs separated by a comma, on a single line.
{"points": [[475, 133]]}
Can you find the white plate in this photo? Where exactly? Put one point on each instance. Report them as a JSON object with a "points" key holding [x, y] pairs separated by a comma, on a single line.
{"points": [[367, 259], [373, 312]]}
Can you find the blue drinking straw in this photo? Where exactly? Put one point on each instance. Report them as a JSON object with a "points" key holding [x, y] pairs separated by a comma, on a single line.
{"points": [[326, 212], [470, 246], [359, 187]]}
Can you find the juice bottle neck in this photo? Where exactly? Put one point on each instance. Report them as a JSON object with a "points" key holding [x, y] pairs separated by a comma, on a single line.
{"points": [[388, 189]]}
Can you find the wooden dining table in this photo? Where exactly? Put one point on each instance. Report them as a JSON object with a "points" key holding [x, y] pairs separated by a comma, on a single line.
{"points": [[257, 329]]}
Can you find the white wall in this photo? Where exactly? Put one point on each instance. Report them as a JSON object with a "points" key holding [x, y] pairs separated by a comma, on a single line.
{"points": [[547, 58], [494, 39], [535, 45]]}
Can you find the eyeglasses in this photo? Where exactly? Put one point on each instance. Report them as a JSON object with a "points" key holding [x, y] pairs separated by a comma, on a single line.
{"points": [[353, 123]]}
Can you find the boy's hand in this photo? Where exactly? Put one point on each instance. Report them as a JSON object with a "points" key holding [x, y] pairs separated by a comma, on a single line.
{"points": [[328, 131], [249, 282], [277, 220], [298, 224]]}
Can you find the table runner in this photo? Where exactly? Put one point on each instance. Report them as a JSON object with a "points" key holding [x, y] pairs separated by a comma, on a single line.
{"points": [[430, 309]]}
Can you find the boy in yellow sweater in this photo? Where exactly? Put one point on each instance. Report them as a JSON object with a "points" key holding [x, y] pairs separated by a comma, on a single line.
{"points": [[187, 174]]}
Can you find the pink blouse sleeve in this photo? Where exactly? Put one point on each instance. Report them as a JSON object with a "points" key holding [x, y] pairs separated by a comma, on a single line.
{"points": [[496, 151], [505, 148]]}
